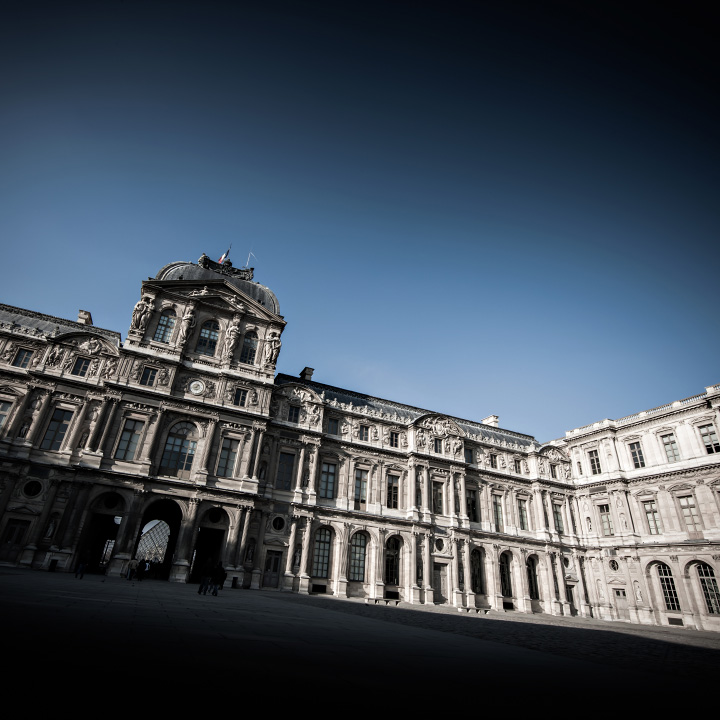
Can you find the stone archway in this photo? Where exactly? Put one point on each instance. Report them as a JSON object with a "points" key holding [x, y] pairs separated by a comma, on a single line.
{"points": [[97, 542], [168, 513], [210, 541]]}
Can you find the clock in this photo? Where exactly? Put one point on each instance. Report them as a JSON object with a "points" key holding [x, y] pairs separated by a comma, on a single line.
{"points": [[197, 387]]}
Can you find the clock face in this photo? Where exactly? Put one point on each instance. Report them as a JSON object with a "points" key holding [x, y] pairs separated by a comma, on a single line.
{"points": [[197, 387]]}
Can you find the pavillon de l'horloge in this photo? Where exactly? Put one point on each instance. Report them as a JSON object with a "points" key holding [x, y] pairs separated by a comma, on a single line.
{"points": [[182, 446]]}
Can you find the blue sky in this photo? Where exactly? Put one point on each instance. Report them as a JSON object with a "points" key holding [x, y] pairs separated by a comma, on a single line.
{"points": [[476, 208]]}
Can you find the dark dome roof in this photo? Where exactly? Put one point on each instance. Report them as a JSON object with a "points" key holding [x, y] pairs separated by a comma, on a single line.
{"points": [[211, 271]]}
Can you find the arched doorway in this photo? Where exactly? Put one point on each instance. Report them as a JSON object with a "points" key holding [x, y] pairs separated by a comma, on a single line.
{"points": [[506, 581], [392, 567], [158, 536], [97, 543], [210, 542]]}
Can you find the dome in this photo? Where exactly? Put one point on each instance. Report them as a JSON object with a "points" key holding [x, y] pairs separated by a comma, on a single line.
{"points": [[206, 270]]}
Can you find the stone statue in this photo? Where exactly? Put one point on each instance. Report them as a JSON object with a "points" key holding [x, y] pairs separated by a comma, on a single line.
{"points": [[110, 368], [141, 314], [271, 349], [54, 356], [24, 427], [186, 325], [638, 593], [231, 339]]}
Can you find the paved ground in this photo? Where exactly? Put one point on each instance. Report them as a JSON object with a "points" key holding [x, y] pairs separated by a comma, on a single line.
{"points": [[65, 636]]}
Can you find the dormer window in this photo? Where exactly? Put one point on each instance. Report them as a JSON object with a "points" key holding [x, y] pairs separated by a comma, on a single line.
{"points": [[249, 348], [80, 367], [22, 359], [207, 342], [293, 415]]}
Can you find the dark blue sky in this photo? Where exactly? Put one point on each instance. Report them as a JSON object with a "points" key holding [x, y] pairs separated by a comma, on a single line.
{"points": [[476, 208]]}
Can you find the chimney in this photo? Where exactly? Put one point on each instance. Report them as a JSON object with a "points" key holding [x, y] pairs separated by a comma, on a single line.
{"points": [[491, 420], [307, 373], [84, 317]]}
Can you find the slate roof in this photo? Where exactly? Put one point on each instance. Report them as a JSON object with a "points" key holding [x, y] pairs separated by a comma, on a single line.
{"points": [[194, 272], [406, 414], [38, 324]]}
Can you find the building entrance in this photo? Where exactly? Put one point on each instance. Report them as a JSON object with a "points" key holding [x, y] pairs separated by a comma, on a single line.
{"points": [[271, 575], [158, 536], [439, 583], [208, 550]]}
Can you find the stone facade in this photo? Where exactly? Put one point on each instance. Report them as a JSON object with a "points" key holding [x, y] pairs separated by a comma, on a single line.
{"points": [[299, 486]]}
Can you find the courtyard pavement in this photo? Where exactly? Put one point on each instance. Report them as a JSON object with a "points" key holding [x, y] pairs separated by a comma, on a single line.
{"points": [[63, 636]]}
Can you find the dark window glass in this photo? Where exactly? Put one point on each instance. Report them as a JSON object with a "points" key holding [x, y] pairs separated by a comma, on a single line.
{"points": [[327, 480], [22, 358], [148, 376], [392, 561], [710, 438], [360, 489], [594, 462], [177, 457], [332, 426], [393, 488], [240, 397], [249, 349], [55, 434], [286, 462], [228, 454], [321, 553], [80, 367], [293, 415], [637, 455], [358, 544], [163, 331], [207, 342], [129, 440], [394, 439]]}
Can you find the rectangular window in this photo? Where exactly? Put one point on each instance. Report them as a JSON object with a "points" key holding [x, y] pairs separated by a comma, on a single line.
{"points": [[557, 517], [129, 439], [668, 587], [637, 455], [606, 520], [327, 480], [437, 445], [293, 415], [394, 439], [690, 513], [332, 426], [437, 497], [240, 397], [498, 513], [393, 489], [472, 506], [468, 456], [80, 367], [493, 460], [594, 462], [672, 452], [579, 468], [653, 518], [522, 514], [55, 434], [553, 471], [286, 462], [22, 358], [321, 553], [364, 433], [164, 328], [710, 438], [4, 412], [148, 376], [361, 477], [228, 455], [516, 464]]}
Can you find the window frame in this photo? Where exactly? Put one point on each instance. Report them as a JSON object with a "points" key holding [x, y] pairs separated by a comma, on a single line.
{"points": [[594, 458], [248, 351], [284, 463], [693, 511], [328, 480], [360, 488], [498, 515], [392, 484], [81, 366], [394, 439], [240, 397], [671, 445], [653, 522], [59, 428], [165, 329], [208, 338], [228, 456], [293, 414], [131, 440], [22, 358], [606, 521], [712, 444], [148, 376], [333, 426], [184, 453], [636, 454]]}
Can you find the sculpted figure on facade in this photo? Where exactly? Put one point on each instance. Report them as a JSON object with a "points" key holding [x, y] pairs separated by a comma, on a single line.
{"points": [[54, 356], [141, 314], [110, 368], [231, 338], [187, 323], [271, 350]]}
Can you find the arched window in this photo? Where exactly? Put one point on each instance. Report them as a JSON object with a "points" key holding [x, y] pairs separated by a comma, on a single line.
{"points": [[321, 553], [668, 587], [532, 578], [164, 329], [177, 458], [358, 545], [709, 586], [249, 348], [505, 580], [392, 561], [207, 342], [476, 572]]}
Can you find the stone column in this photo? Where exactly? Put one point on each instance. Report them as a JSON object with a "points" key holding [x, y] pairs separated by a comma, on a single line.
{"points": [[39, 420], [553, 601], [207, 447], [495, 595], [450, 510], [77, 429], [107, 430], [289, 575], [299, 475], [456, 593], [76, 524], [257, 559], [524, 604], [14, 425], [427, 570], [469, 592], [258, 447], [314, 466], [342, 549], [304, 576], [180, 570], [97, 428], [240, 554], [152, 438], [464, 520], [584, 608], [127, 532], [28, 554], [377, 584]]}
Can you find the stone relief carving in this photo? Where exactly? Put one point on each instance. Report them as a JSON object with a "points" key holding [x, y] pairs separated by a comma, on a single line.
{"points": [[271, 350], [187, 323], [231, 338], [141, 314]]}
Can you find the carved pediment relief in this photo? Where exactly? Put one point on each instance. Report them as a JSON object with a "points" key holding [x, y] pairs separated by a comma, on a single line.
{"points": [[87, 343], [553, 453], [680, 486], [440, 426]]}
